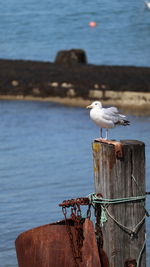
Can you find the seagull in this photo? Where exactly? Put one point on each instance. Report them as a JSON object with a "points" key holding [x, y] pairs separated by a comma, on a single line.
{"points": [[106, 117], [147, 4]]}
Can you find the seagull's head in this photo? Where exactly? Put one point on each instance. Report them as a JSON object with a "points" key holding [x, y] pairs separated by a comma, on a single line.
{"points": [[95, 104]]}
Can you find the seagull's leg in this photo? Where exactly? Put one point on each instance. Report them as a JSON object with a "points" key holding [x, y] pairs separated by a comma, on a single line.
{"points": [[106, 133], [101, 133]]}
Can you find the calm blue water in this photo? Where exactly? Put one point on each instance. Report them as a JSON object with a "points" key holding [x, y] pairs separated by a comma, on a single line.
{"points": [[37, 30], [45, 149], [45, 158]]}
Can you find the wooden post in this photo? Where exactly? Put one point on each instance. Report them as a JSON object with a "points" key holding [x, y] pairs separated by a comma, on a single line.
{"points": [[117, 178]]}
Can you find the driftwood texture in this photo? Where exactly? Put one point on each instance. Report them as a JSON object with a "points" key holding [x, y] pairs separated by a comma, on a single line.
{"points": [[121, 178]]}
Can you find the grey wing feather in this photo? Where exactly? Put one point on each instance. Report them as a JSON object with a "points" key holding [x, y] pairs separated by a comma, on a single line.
{"points": [[111, 114]]}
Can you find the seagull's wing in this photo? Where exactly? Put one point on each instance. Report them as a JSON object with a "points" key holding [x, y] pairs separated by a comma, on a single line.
{"points": [[111, 114], [112, 109]]}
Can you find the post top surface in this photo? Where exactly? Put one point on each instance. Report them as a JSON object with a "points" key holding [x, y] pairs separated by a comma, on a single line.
{"points": [[123, 142], [131, 142]]}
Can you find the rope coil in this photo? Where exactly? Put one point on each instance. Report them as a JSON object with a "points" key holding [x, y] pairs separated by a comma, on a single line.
{"points": [[105, 202], [93, 198]]}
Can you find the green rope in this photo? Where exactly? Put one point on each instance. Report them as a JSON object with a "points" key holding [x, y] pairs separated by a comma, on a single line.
{"points": [[99, 200], [104, 202]]}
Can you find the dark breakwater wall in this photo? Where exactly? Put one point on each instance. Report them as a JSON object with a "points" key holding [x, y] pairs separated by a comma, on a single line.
{"points": [[44, 79]]}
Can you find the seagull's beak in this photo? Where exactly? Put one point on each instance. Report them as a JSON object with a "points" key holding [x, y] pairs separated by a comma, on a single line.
{"points": [[90, 106]]}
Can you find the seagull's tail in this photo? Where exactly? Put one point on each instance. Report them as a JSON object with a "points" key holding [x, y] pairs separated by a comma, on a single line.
{"points": [[126, 122], [123, 122]]}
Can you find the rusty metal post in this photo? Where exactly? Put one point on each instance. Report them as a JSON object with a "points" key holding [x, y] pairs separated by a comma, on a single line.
{"points": [[118, 178]]}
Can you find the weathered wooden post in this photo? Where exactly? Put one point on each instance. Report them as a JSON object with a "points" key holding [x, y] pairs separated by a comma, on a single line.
{"points": [[120, 179]]}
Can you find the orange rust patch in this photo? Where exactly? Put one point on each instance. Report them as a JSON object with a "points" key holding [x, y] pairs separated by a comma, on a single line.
{"points": [[118, 146]]}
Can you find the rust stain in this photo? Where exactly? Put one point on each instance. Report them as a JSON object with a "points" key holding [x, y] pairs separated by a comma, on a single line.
{"points": [[51, 246], [130, 263], [109, 158], [118, 146], [118, 149]]}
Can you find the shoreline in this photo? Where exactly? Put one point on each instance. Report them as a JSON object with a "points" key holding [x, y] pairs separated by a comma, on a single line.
{"points": [[126, 87], [127, 107]]}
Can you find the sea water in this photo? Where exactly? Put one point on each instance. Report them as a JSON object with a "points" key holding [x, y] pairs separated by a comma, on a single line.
{"points": [[45, 158], [45, 149], [37, 30]]}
